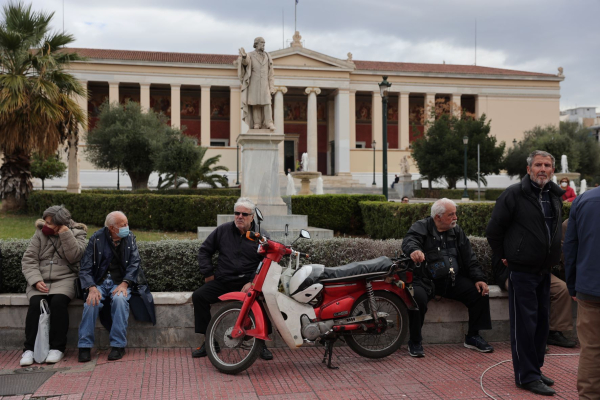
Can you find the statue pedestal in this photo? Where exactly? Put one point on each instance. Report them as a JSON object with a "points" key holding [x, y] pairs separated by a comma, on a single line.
{"points": [[404, 187]]}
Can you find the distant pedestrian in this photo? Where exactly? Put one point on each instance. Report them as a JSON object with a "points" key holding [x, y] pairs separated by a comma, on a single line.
{"points": [[569, 195], [405, 199], [396, 180]]}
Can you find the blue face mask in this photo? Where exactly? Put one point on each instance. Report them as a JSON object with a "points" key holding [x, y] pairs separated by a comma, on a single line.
{"points": [[123, 232]]}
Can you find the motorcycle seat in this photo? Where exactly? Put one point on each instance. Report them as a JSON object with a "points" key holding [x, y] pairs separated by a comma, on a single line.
{"points": [[357, 270]]}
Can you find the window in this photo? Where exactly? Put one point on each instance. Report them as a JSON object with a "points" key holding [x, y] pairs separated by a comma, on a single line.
{"points": [[219, 142], [361, 145]]}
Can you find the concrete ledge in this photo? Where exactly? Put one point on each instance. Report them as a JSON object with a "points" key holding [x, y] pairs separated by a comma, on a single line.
{"points": [[445, 322]]}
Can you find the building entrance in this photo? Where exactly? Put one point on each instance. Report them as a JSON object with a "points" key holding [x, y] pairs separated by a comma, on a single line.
{"points": [[289, 155]]}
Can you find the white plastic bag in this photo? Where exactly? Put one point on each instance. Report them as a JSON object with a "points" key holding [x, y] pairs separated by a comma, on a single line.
{"points": [[42, 340]]}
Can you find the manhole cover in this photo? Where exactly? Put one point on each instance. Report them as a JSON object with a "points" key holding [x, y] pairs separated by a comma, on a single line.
{"points": [[22, 383]]}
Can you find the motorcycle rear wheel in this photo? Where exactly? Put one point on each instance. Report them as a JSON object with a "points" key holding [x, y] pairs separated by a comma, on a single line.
{"points": [[379, 345], [228, 355]]}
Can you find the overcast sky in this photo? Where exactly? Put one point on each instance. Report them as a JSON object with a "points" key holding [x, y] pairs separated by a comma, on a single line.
{"points": [[530, 35]]}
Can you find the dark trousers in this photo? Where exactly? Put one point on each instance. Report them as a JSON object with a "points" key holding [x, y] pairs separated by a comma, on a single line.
{"points": [[464, 290], [529, 310], [208, 294], [59, 321]]}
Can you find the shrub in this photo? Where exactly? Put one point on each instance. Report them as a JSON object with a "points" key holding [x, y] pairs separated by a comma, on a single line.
{"points": [[149, 211], [454, 194], [338, 212], [493, 194], [185, 192]]}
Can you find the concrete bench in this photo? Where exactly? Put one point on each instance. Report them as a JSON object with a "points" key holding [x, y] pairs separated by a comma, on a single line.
{"points": [[445, 322]]}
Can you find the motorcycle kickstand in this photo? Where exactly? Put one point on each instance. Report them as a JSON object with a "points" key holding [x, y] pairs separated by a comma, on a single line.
{"points": [[329, 349]]}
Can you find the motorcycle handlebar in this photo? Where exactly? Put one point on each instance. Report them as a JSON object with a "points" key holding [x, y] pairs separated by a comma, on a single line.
{"points": [[302, 255]]}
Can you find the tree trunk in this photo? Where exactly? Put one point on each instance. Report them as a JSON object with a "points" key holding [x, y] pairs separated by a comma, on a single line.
{"points": [[15, 181], [451, 182], [139, 180], [429, 182]]}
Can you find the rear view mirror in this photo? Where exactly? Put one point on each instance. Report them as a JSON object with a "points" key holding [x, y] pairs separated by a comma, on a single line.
{"points": [[304, 233], [259, 214]]}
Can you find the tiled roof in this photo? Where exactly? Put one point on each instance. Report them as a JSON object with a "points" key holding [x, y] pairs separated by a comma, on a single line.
{"points": [[225, 59]]}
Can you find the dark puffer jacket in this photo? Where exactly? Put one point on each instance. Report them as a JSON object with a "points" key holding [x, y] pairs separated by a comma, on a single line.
{"points": [[517, 230]]}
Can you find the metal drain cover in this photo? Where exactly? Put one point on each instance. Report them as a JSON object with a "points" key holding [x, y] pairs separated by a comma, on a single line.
{"points": [[23, 383]]}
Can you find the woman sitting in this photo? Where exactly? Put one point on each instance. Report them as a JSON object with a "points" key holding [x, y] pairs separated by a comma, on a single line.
{"points": [[570, 195], [50, 265]]}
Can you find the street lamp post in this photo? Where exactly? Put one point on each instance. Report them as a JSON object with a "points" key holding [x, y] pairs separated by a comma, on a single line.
{"points": [[237, 164], [465, 193], [373, 145], [384, 88]]}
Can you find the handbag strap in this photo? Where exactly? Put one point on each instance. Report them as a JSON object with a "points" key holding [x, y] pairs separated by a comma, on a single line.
{"points": [[73, 269], [44, 308]]}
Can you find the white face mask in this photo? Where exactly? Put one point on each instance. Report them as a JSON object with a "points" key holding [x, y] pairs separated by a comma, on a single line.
{"points": [[563, 184]]}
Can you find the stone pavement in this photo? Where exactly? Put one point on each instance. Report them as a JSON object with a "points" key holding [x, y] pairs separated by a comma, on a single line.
{"points": [[446, 372]]}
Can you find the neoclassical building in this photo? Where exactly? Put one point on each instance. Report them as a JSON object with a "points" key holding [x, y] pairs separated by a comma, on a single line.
{"points": [[330, 108]]}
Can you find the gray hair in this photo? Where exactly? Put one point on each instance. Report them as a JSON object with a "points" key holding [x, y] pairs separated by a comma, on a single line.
{"points": [[245, 202], [540, 153], [59, 215], [439, 207], [111, 217]]}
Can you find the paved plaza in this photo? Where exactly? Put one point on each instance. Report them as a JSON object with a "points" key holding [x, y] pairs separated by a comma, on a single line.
{"points": [[446, 372]]}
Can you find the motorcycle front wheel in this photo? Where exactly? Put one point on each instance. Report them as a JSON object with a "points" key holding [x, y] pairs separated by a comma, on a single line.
{"points": [[229, 355], [379, 345]]}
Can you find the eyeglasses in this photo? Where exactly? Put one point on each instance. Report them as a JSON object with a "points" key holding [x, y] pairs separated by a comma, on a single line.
{"points": [[237, 213]]}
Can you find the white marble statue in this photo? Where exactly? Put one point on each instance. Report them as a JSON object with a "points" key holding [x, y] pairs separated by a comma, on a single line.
{"points": [[572, 184], [304, 161], [255, 71], [404, 167], [291, 189], [583, 187], [554, 179], [319, 185], [564, 165]]}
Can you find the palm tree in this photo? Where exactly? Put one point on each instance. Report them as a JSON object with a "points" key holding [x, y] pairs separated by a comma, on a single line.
{"points": [[205, 172], [38, 111]]}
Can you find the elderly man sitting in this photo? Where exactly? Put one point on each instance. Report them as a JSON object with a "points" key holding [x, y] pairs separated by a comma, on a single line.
{"points": [[451, 270], [235, 270]]}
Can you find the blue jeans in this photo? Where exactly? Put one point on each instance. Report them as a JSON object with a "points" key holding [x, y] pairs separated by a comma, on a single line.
{"points": [[119, 311]]}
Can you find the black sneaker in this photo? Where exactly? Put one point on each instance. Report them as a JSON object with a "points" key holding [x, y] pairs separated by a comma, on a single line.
{"points": [[547, 381], [538, 387], [265, 354], [478, 343], [415, 349], [85, 355], [116, 353], [558, 339], [201, 351]]}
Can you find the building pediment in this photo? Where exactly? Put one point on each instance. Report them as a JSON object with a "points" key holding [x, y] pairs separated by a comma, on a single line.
{"points": [[300, 57]]}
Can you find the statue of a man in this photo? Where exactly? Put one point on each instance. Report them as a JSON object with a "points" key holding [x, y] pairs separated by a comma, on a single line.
{"points": [[255, 71], [404, 167]]}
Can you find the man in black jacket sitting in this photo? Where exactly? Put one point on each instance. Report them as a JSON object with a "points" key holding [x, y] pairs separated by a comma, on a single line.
{"points": [[449, 269], [525, 234], [235, 270]]}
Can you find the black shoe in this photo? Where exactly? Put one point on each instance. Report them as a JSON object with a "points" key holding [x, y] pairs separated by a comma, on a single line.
{"points": [[116, 353], [265, 354], [415, 349], [478, 343], [558, 339], [538, 387], [547, 381], [201, 351], [85, 355]]}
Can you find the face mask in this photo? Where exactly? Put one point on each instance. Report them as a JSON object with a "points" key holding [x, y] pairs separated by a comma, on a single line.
{"points": [[563, 184], [46, 230], [123, 232]]}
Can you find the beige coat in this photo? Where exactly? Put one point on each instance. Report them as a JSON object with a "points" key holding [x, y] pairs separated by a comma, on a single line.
{"points": [[42, 263]]}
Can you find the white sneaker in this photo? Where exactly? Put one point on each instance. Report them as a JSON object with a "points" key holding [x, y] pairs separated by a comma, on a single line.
{"points": [[54, 356], [27, 358]]}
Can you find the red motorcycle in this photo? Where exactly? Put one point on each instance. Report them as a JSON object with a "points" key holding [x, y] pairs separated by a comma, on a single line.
{"points": [[363, 303]]}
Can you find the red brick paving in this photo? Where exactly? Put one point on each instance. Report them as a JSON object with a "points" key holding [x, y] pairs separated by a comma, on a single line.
{"points": [[446, 372]]}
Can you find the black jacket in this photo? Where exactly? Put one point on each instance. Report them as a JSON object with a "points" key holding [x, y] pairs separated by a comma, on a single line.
{"points": [[423, 236], [238, 258], [517, 231]]}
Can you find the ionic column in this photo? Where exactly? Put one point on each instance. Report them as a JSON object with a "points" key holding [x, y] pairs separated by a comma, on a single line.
{"points": [[403, 116], [145, 96], [455, 105], [205, 115], [429, 104], [352, 116], [376, 119], [74, 185], [176, 105], [342, 132], [235, 121], [279, 123], [113, 92], [311, 127]]}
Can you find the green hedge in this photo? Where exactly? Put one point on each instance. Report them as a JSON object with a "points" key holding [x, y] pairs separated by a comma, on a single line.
{"points": [[338, 212], [493, 194], [172, 266], [456, 194], [392, 220], [171, 192], [148, 211]]}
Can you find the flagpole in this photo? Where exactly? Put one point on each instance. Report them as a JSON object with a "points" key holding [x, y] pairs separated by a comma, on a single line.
{"points": [[295, 11]]}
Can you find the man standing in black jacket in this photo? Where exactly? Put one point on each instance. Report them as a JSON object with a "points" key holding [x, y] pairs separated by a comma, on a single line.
{"points": [[235, 270], [525, 234], [449, 269]]}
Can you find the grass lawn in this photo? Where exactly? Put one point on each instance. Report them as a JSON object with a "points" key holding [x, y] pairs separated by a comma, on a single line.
{"points": [[18, 226]]}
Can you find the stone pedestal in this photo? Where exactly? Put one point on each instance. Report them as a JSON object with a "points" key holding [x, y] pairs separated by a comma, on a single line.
{"points": [[404, 187]]}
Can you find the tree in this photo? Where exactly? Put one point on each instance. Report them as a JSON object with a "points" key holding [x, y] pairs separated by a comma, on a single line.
{"points": [[204, 171], [568, 138], [439, 153], [36, 96], [129, 139], [179, 154], [47, 168]]}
